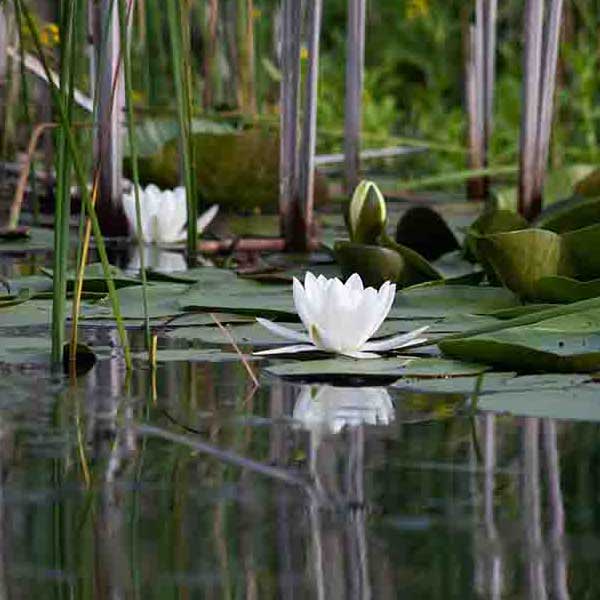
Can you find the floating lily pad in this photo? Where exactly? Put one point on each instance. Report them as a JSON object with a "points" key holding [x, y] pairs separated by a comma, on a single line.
{"points": [[570, 343], [195, 356], [254, 334], [25, 351], [491, 383], [39, 239], [31, 313], [442, 301], [577, 403], [93, 278], [379, 367], [566, 289], [162, 302]]}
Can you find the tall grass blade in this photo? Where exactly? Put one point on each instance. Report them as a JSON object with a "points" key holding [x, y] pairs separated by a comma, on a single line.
{"points": [[82, 182], [125, 53], [182, 76]]}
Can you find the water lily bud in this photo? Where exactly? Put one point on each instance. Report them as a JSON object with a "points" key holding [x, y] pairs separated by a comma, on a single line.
{"points": [[368, 214]]}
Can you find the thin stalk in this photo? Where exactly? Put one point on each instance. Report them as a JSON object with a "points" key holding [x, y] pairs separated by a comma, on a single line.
{"points": [[529, 194], [182, 76], [125, 49], [548, 88], [63, 176], [81, 179]]}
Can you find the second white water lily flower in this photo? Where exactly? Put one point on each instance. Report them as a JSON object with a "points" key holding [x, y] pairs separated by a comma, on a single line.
{"points": [[341, 318], [164, 214]]}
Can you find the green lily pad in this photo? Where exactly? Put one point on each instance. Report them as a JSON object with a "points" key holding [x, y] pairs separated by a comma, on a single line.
{"points": [[443, 301], [577, 403], [377, 367], [423, 230], [193, 355], [31, 313], [570, 214], [566, 289], [39, 239], [254, 334], [374, 264], [488, 223], [25, 351], [93, 278], [162, 302], [491, 383], [569, 343], [520, 258]]}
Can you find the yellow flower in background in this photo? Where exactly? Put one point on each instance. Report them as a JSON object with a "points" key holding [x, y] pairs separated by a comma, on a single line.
{"points": [[50, 35], [416, 9], [303, 53], [256, 13]]}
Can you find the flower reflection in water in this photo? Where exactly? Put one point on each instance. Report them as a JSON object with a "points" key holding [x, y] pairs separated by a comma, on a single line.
{"points": [[329, 409]]}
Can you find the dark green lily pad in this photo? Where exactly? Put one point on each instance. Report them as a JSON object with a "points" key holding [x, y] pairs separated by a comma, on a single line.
{"points": [[423, 230], [566, 289], [569, 214], [93, 278], [570, 343]]}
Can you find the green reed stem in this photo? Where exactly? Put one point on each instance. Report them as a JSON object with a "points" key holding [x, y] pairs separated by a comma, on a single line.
{"points": [[125, 49], [182, 76], [82, 181], [62, 202]]}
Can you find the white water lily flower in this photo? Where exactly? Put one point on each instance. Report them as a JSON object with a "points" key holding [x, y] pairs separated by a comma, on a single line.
{"points": [[330, 409], [158, 259], [164, 214], [341, 318]]}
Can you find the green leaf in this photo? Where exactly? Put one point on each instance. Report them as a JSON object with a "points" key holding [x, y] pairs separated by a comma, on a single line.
{"points": [[377, 367], [423, 230], [577, 403], [374, 264], [569, 214], [94, 280], [443, 301], [39, 239], [569, 343]]}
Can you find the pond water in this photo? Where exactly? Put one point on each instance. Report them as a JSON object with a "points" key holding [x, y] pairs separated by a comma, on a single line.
{"points": [[191, 482]]}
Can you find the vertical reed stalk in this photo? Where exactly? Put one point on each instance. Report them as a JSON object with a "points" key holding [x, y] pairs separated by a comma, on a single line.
{"points": [[245, 47], [182, 77], [125, 53], [76, 154], [355, 65], [309, 127], [550, 64], [62, 207], [290, 82], [530, 200]]}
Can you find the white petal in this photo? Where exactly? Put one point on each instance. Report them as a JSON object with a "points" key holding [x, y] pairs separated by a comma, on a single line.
{"points": [[283, 332], [301, 303], [207, 217], [398, 341], [361, 355], [287, 350], [354, 282]]}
